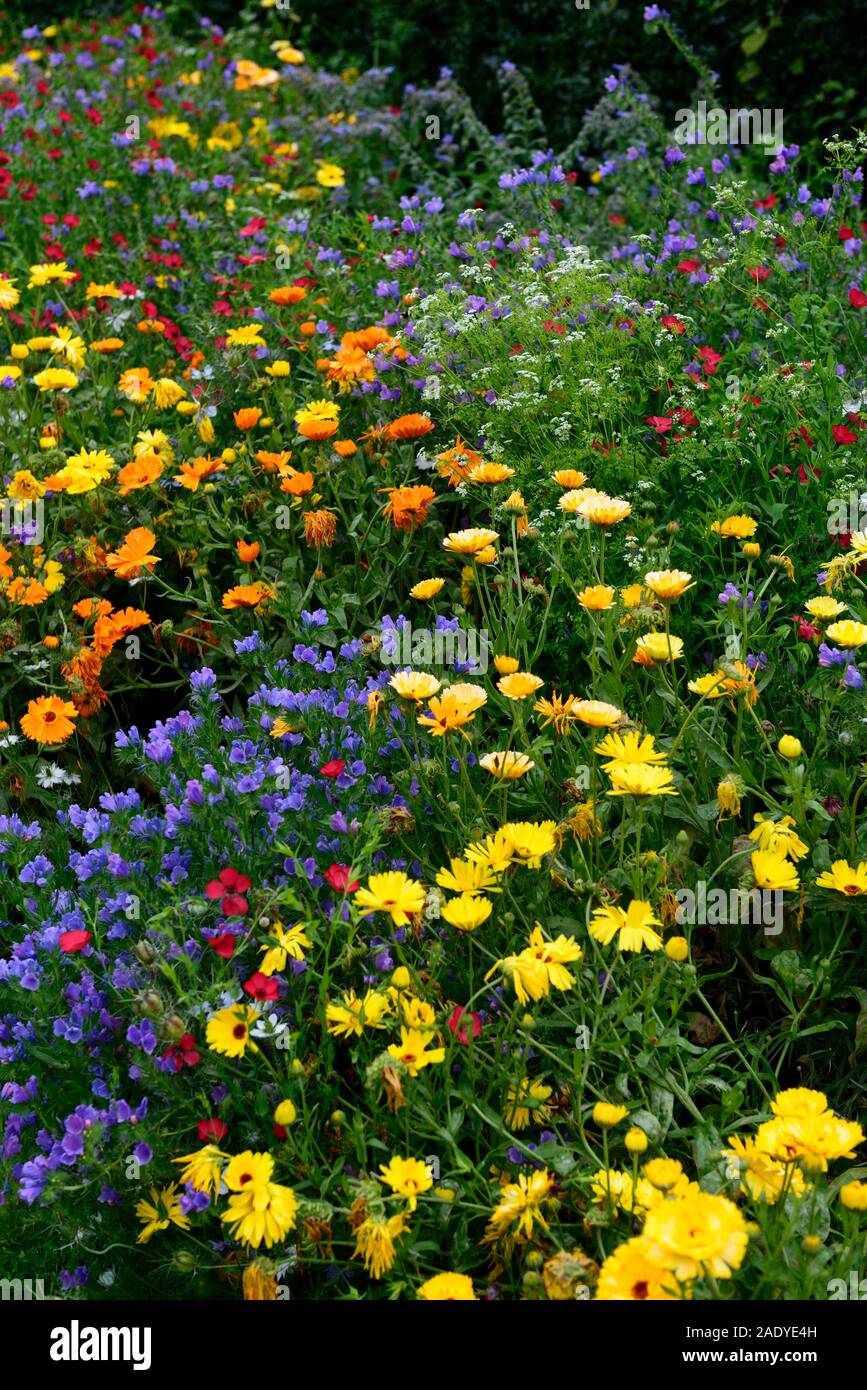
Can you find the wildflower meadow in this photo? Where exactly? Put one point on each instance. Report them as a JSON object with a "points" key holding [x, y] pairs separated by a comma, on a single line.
{"points": [[433, 639]]}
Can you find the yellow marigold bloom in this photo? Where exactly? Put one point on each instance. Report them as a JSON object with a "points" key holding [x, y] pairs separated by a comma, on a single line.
{"points": [[167, 393], [518, 685], [426, 588], [446, 712], [632, 779], [374, 1243], [350, 1017], [570, 478], [259, 1211], [286, 1113], [853, 1195], [24, 487], [738, 527], [632, 595], [330, 175], [573, 500], [470, 542], [49, 719], [247, 595], [204, 1168], [467, 878], [558, 711], [506, 767], [751, 550], [696, 1235], [814, 1141], [530, 840], [46, 274], [635, 1140], [843, 878], [413, 1051], [608, 1115], [848, 634], [597, 598], [629, 1276], [728, 797], [525, 1104], [738, 679], [228, 1030], [291, 945], [597, 714], [633, 927], [467, 912], [779, 836], [824, 607], [762, 1177], [447, 1288], [655, 647], [669, 585], [258, 1282], [55, 379], [414, 685], [677, 949], [162, 1210], [407, 1177], [519, 1209], [584, 822], [772, 870], [631, 747], [395, 893], [604, 511], [491, 473]]}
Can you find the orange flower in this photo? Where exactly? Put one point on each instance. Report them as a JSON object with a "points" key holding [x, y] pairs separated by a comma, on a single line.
{"points": [[297, 484], [320, 527], [456, 464], [317, 430], [273, 462], [248, 551], [248, 418], [139, 473], [287, 294], [5, 569], [28, 592], [345, 448], [107, 345], [366, 338], [409, 427], [407, 506], [49, 719], [136, 384], [134, 555], [246, 595], [194, 471], [51, 642]]}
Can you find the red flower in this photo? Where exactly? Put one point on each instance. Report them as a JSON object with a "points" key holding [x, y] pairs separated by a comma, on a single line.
{"points": [[661, 423], [230, 885], [212, 1129], [858, 299], [688, 267], [673, 324], [769, 202], [224, 945], [710, 359], [845, 233], [806, 631], [338, 876], [74, 941], [460, 1029], [843, 435], [261, 986], [758, 273], [333, 769], [184, 1053]]}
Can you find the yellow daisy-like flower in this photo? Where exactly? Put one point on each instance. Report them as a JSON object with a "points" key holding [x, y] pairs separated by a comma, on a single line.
{"points": [[204, 1168], [426, 588], [291, 945], [608, 1115], [407, 1177], [228, 1030], [668, 585], [414, 685], [374, 1243], [737, 527], [605, 511], [466, 912], [447, 1288], [798, 1101], [414, 1052], [519, 1209], [530, 840], [506, 665], [330, 175], [631, 747], [762, 1177], [696, 1235], [519, 685], [843, 878], [597, 598], [526, 1103], [656, 647], [55, 379], [352, 1015], [814, 1141], [629, 1276], [848, 634], [824, 607], [471, 542], [162, 1210], [779, 836], [467, 877], [632, 595], [631, 779], [258, 1211], [395, 893], [772, 870], [506, 767], [490, 473], [597, 714], [633, 928], [570, 478]]}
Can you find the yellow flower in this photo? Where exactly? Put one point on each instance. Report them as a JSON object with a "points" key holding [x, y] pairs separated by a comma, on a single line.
{"points": [[696, 1235], [738, 527], [530, 840], [24, 487], [603, 510], [772, 870], [353, 1015], [597, 713], [853, 1195], [631, 779], [657, 646], [597, 598], [824, 607], [414, 685], [47, 273], [291, 945], [156, 1214], [204, 1169], [470, 542], [629, 1276], [507, 766], [519, 1209], [608, 1115], [412, 1050], [374, 1243], [407, 1177], [55, 379], [258, 1209], [569, 478], [790, 747], [426, 588], [506, 665], [668, 585], [728, 797], [525, 1103], [737, 679], [814, 1141], [330, 175], [228, 1030], [491, 473], [447, 1288], [631, 747], [632, 595], [763, 1178], [518, 685], [286, 1113], [395, 893], [799, 1101], [848, 634], [633, 928], [779, 836], [467, 912], [258, 1282], [842, 878], [677, 948], [467, 878], [635, 1140]]}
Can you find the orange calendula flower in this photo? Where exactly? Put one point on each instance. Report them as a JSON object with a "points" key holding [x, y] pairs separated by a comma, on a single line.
{"points": [[345, 448], [320, 527], [409, 427], [134, 555], [457, 463], [139, 473], [248, 551], [408, 506], [248, 418], [297, 484], [49, 719], [317, 429], [195, 471], [247, 595], [287, 294]]}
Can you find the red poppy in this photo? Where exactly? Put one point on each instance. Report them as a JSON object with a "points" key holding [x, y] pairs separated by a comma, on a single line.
{"points": [[224, 945], [262, 987], [688, 267], [335, 768], [673, 324], [212, 1129], [858, 299], [710, 359], [74, 941], [338, 875], [460, 1029], [229, 886], [758, 273], [184, 1053], [843, 435]]}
